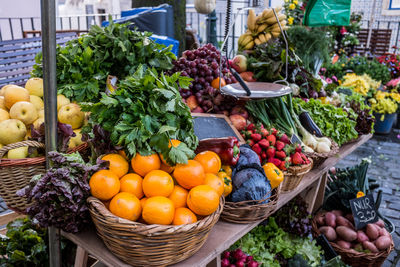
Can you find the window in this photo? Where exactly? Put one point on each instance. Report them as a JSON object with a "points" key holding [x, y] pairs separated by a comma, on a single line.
{"points": [[394, 5]]}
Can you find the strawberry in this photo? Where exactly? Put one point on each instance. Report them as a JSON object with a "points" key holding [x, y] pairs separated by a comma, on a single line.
{"points": [[280, 154], [264, 132], [284, 138], [256, 137], [251, 126], [248, 134], [283, 165], [298, 148], [256, 148], [264, 143], [250, 142], [275, 161], [305, 159], [274, 131], [297, 159], [271, 152], [263, 155], [280, 145], [272, 139]]}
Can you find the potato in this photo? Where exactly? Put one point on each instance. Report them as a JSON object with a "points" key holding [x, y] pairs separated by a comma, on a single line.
{"points": [[330, 219], [359, 247], [337, 212], [329, 232], [370, 246], [384, 232], [372, 231], [342, 221], [350, 217], [346, 233], [343, 244], [383, 242], [380, 223], [320, 219], [361, 236]]}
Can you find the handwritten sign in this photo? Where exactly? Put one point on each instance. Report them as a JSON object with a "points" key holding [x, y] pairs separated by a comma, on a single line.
{"points": [[363, 209]]}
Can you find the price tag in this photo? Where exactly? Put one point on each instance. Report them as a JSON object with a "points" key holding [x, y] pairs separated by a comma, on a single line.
{"points": [[364, 212], [295, 139]]}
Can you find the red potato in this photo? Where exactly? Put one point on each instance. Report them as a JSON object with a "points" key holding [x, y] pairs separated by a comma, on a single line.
{"points": [[361, 236], [372, 231], [337, 212], [330, 219], [350, 217], [383, 242], [346, 233], [329, 232], [370, 246], [342, 221], [384, 232], [320, 219], [343, 244], [380, 223]]}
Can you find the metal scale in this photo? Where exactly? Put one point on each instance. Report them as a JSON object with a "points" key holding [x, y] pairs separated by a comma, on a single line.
{"points": [[254, 90]]}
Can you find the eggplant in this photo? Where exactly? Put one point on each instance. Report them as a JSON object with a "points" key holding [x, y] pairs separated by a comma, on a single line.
{"points": [[308, 123]]}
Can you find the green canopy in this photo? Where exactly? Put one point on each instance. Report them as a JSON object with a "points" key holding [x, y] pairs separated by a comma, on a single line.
{"points": [[327, 12]]}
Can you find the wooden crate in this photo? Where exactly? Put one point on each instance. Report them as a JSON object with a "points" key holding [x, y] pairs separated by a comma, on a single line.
{"points": [[380, 41]]}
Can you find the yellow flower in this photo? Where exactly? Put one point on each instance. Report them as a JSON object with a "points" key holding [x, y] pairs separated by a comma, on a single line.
{"points": [[342, 65], [290, 20], [292, 6], [380, 95], [358, 83], [395, 96], [295, 2]]}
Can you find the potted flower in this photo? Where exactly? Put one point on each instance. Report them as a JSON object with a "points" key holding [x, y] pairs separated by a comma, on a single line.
{"points": [[384, 104], [395, 85]]}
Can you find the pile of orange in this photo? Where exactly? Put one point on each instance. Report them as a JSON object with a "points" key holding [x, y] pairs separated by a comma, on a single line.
{"points": [[156, 193]]}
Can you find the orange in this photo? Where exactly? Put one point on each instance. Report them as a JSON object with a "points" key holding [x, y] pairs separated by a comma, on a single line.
{"points": [[189, 175], [143, 201], [203, 200], [172, 142], [118, 164], [142, 165], [215, 83], [158, 183], [158, 210], [215, 182], [166, 168], [104, 184], [210, 161], [184, 216], [132, 183], [123, 154], [179, 196], [126, 205]]}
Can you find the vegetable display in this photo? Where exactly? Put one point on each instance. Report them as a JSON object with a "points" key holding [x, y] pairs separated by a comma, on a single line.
{"points": [[84, 63], [237, 258], [145, 113], [227, 148]]}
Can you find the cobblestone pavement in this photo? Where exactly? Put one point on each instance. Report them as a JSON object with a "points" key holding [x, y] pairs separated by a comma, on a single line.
{"points": [[385, 167]]}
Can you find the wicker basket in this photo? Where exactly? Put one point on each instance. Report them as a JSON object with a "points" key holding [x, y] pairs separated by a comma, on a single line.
{"points": [[250, 211], [319, 158], [15, 174], [355, 258], [150, 245], [293, 176]]}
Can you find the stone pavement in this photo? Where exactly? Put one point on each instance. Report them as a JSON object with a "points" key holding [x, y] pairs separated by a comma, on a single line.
{"points": [[385, 167]]}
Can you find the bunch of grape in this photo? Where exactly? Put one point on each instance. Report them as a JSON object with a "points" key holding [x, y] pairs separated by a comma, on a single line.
{"points": [[294, 217], [202, 65]]}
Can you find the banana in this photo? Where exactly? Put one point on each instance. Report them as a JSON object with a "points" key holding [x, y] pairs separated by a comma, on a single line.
{"points": [[249, 46], [275, 27], [267, 13], [251, 20], [247, 39], [276, 34], [257, 41], [267, 36], [261, 36], [273, 19], [261, 28]]}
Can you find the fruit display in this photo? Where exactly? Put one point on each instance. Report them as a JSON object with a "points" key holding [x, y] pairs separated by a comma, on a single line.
{"points": [[22, 111], [339, 229], [227, 148], [261, 28], [143, 192], [237, 258]]}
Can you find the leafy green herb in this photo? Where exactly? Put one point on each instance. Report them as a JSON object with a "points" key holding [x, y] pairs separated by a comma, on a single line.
{"points": [[84, 63], [145, 113]]}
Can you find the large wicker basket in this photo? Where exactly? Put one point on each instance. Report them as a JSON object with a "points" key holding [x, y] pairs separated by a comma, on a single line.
{"points": [[150, 245], [250, 211], [15, 174], [355, 258], [319, 158], [293, 176]]}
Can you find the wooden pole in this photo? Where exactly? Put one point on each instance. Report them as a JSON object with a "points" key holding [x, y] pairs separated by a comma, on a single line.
{"points": [[371, 24]]}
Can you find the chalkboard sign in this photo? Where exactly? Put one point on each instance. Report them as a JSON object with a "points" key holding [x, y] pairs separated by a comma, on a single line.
{"points": [[214, 126], [364, 212]]}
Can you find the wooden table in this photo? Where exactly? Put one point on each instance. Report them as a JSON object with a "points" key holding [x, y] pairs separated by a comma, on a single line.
{"points": [[223, 234]]}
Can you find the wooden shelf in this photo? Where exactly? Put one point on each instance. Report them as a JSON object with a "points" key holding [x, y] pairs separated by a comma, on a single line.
{"points": [[223, 234]]}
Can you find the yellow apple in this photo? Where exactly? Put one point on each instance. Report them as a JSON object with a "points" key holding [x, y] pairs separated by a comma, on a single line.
{"points": [[71, 114], [41, 113], [2, 103], [18, 153], [35, 86], [38, 122], [77, 140], [3, 89], [12, 131], [37, 102], [24, 111], [62, 101], [4, 115], [14, 94]]}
